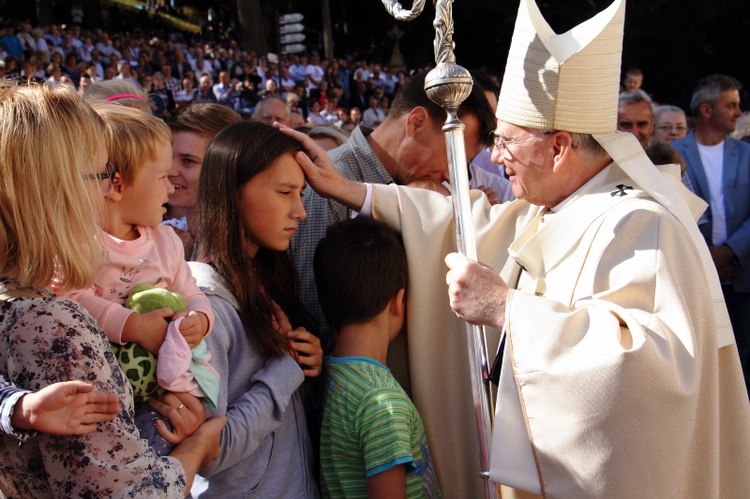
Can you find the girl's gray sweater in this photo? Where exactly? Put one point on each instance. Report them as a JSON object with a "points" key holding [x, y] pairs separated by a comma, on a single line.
{"points": [[265, 446]]}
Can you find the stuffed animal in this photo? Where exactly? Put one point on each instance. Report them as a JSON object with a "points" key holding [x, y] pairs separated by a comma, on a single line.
{"points": [[136, 362]]}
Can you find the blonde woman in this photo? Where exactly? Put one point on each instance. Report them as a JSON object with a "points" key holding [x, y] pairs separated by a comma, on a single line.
{"points": [[52, 169]]}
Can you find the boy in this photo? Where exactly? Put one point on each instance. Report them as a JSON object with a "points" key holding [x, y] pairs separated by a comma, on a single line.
{"points": [[372, 438]]}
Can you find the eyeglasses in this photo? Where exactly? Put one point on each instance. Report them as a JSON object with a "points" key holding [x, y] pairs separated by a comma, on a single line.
{"points": [[109, 174], [669, 128], [500, 143]]}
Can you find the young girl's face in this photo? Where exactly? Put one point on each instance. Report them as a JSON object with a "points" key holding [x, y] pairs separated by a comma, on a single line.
{"points": [[144, 198], [270, 204]]}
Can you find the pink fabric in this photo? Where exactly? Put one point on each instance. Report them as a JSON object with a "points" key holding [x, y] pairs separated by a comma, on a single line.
{"points": [[125, 96], [173, 366], [156, 257]]}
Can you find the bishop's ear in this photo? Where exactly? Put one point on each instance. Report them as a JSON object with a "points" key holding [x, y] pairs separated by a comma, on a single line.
{"points": [[563, 145]]}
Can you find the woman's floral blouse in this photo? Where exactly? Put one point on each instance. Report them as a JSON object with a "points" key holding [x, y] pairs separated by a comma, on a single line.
{"points": [[49, 339]]}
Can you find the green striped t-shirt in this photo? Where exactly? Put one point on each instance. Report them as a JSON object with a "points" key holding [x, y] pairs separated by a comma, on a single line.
{"points": [[369, 426]]}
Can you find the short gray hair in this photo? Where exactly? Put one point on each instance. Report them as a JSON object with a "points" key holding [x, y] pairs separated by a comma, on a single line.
{"points": [[636, 97], [667, 109], [588, 146], [262, 102], [710, 88], [585, 143]]}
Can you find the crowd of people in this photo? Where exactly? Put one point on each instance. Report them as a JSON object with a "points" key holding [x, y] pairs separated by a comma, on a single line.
{"points": [[183, 69], [212, 296]]}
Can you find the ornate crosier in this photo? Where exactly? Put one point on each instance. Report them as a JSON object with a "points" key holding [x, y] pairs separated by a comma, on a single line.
{"points": [[448, 85]]}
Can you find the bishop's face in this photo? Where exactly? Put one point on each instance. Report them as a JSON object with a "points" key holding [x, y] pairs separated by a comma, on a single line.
{"points": [[528, 163]]}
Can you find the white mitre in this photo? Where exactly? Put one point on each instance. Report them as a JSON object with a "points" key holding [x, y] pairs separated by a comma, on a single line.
{"points": [[571, 82], [563, 82]]}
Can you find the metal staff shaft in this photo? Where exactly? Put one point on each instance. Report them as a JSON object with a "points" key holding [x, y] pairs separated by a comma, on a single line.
{"points": [[477, 342], [448, 85]]}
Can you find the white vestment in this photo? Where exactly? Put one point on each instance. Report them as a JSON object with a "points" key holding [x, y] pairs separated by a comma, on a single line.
{"points": [[612, 343]]}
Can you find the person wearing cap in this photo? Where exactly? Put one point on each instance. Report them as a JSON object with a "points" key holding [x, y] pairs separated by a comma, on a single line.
{"points": [[619, 371]]}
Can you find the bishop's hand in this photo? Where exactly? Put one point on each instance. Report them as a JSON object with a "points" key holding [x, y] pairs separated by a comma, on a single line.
{"points": [[477, 293]]}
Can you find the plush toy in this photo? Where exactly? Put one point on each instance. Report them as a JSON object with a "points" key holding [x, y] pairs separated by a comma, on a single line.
{"points": [[136, 362], [145, 298]]}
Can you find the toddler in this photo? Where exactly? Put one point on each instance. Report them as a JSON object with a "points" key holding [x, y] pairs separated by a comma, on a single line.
{"points": [[142, 251]]}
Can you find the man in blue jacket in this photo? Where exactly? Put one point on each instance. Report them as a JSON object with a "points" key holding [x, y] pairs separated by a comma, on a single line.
{"points": [[11, 43], [719, 168]]}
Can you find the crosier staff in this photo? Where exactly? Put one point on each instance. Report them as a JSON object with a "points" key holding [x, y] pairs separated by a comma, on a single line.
{"points": [[448, 85]]}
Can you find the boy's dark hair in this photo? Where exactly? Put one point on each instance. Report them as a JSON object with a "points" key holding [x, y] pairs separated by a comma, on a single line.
{"points": [[359, 266]]}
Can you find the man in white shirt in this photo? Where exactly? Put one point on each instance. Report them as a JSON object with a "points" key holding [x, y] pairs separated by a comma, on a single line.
{"points": [[373, 115], [105, 46], [298, 68], [329, 113], [96, 59], [314, 73], [224, 91], [719, 168]]}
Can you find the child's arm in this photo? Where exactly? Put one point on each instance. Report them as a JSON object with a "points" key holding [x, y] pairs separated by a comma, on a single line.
{"points": [[122, 325], [383, 424], [148, 330], [388, 484], [194, 327], [110, 315], [65, 408], [199, 316]]}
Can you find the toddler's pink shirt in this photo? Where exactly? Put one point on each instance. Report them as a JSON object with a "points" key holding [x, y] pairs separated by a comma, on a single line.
{"points": [[156, 257]]}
